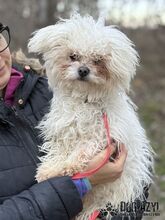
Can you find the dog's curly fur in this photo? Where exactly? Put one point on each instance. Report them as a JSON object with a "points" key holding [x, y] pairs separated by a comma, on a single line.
{"points": [[73, 130]]}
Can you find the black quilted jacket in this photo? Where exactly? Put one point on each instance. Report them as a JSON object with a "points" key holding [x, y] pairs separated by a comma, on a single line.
{"points": [[21, 198]]}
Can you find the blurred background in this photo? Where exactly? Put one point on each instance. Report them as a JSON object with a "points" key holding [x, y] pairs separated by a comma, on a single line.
{"points": [[144, 23]]}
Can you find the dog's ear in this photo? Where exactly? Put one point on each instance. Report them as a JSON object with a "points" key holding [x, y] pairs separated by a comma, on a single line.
{"points": [[45, 39], [124, 58]]}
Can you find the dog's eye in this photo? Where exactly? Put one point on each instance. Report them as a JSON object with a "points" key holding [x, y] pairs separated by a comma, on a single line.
{"points": [[97, 60], [74, 57]]}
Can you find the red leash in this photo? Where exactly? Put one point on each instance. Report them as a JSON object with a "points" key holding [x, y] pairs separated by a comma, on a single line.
{"points": [[94, 215], [106, 159]]}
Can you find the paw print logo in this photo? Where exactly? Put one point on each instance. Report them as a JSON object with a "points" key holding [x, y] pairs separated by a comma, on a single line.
{"points": [[111, 209]]}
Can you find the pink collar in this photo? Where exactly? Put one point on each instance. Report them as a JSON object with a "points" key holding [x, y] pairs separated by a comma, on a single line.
{"points": [[12, 85]]}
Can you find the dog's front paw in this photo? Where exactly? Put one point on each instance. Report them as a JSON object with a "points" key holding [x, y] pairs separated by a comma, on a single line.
{"points": [[41, 177], [67, 172], [71, 169], [45, 172]]}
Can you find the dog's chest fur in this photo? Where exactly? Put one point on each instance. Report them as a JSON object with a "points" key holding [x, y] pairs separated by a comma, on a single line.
{"points": [[75, 128], [76, 125]]}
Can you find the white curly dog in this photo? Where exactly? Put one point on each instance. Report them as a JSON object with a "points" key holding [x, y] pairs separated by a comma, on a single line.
{"points": [[89, 68]]}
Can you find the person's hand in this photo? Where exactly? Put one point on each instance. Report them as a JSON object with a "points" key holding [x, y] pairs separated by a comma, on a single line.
{"points": [[111, 170]]}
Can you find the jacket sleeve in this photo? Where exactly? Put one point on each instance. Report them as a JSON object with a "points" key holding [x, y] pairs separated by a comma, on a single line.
{"points": [[54, 199]]}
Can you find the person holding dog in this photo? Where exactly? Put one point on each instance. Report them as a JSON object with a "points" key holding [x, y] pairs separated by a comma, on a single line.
{"points": [[24, 99]]}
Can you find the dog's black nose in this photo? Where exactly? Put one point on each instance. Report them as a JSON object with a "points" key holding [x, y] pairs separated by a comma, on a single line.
{"points": [[83, 71]]}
